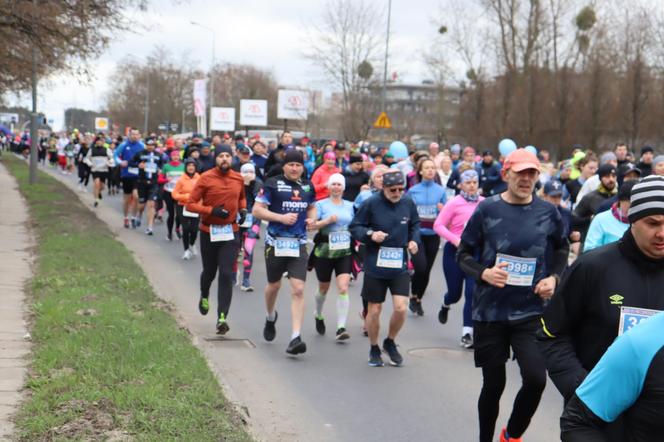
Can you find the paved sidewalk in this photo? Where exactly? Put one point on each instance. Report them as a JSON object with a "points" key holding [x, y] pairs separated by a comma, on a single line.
{"points": [[15, 270]]}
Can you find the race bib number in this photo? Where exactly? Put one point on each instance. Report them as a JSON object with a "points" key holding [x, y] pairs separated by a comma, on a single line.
{"points": [[287, 247], [189, 214], [427, 212], [339, 240], [221, 233], [390, 257], [132, 170], [630, 317], [521, 271], [248, 221], [150, 168]]}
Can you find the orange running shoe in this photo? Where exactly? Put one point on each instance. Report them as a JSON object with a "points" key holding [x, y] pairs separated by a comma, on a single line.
{"points": [[507, 439]]}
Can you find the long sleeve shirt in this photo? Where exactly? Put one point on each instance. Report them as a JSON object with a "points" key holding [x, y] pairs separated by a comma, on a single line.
{"points": [[213, 189], [453, 218]]}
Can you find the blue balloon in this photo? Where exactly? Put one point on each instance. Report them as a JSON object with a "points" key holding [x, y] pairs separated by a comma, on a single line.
{"points": [[398, 150], [531, 149], [506, 146]]}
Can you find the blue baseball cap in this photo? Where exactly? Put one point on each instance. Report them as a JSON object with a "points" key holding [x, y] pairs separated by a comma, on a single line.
{"points": [[553, 188]]}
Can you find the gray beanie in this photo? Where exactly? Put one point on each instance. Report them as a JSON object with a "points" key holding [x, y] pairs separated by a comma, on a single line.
{"points": [[647, 198], [606, 157], [658, 159]]}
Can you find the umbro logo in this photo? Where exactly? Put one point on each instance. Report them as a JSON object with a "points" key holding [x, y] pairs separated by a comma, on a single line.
{"points": [[616, 299]]}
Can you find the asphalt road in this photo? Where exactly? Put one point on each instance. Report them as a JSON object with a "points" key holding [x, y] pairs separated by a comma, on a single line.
{"points": [[329, 393]]}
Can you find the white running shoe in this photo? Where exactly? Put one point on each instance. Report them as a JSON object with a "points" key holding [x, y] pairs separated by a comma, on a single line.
{"points": [[194, 252], [187, 255]]}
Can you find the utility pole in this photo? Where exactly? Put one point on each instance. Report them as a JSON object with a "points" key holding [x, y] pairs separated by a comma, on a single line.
{"points": [[34, 125], [387, 48], [147, 103]]}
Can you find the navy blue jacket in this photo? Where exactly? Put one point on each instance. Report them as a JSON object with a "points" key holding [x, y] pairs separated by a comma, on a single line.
{"points": [[399, 220]]}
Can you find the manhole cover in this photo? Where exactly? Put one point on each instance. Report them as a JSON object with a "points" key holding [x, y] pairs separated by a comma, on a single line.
{"points": [[235, 342], [439, 352]]}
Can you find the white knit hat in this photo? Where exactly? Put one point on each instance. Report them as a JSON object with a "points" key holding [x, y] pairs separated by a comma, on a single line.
{"points": [[337, 178]]}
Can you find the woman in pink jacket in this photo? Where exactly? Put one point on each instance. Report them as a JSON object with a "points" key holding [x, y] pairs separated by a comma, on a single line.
{"points": [[450, 224], [321, 176]]}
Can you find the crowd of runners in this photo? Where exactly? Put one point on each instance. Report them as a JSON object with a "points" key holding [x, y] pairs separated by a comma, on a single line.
{"points": [[554, 260]]}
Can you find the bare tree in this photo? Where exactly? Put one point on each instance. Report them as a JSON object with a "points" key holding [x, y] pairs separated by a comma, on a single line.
{"points": [[344, 40], [64, 33]]}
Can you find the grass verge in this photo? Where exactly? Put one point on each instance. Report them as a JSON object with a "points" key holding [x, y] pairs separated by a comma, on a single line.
{"points": [[108, 361]]}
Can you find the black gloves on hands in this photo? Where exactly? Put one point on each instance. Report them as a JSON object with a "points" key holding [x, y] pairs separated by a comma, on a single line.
{"points": [[243, 216], [220, 212]]}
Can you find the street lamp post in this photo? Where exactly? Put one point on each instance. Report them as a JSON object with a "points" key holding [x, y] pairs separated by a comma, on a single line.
{"points": [[214, 38], [387, 46]]}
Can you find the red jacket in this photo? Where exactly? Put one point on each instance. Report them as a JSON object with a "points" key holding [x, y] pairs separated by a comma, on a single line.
{"points": [[319, 180]]}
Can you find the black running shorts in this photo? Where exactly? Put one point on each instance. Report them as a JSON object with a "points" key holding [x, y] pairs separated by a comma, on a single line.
{"points": [[276, 266], [374, 290]]}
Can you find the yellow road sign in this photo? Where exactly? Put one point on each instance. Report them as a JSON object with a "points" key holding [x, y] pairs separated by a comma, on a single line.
{"points": [[383, 121]]}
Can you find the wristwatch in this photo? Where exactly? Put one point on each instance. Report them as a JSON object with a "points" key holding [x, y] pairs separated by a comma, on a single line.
{"points": [[370, 232]]}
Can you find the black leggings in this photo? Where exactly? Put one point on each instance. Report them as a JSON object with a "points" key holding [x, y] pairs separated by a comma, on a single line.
{"points": [[220, 256], [83, 173], [189, 228], [422, 262], [170, 207], [533, 374]]}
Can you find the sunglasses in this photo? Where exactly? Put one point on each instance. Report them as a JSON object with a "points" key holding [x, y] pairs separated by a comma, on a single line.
{"points": [[396, 189]]}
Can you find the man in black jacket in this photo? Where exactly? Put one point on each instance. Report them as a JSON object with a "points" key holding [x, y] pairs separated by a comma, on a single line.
{"points": [[583, 317], [356, 177]]}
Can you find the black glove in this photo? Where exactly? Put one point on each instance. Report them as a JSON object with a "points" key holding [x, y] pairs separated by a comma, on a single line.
{"points": [[243, 216], [220, 212]]}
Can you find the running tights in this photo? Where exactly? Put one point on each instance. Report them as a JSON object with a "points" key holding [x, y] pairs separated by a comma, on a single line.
{"points": [[189, 229], [218, 256], [422, 262], [527, 399], [454, 277], [83, 174], [250, 236], [170, 207]]}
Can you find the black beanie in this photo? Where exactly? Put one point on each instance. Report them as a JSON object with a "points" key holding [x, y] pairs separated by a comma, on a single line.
{"points": [[293, 156], [223, 148]]}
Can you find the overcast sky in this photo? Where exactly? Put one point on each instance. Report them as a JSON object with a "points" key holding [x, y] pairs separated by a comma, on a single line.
{"points": [[266, 33]]}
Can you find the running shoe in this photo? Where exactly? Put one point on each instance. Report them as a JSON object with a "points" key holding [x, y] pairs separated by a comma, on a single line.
{"points": [[342, 334], [412, 305], [504, 438], [391, 349], [246, 286], [375, 360], [442, 314], [169, 237], [203, 306], [193, 250], [178, 232], [222, 325], [133, 223], [296, 346], [126, 223], [187, 255], [148, 231], [467, 341], [419, 310], [96, 204], [320, 325], [270, 331], [138, 222]]}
